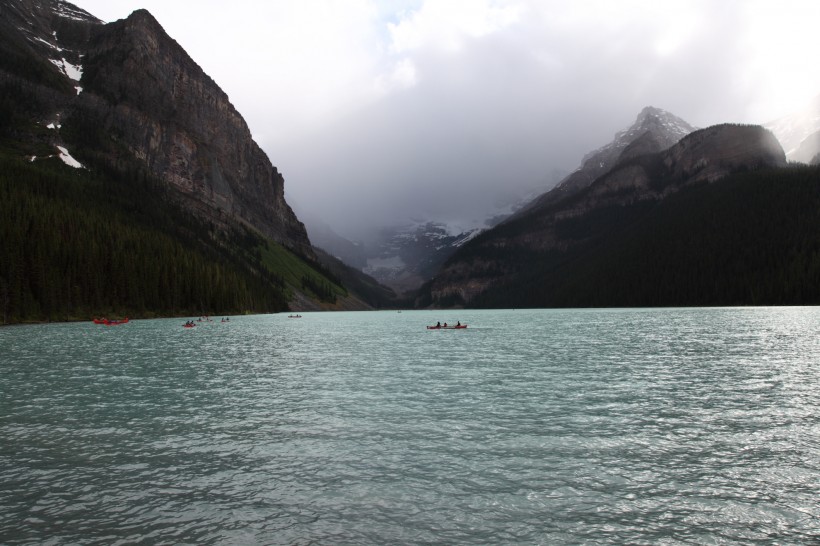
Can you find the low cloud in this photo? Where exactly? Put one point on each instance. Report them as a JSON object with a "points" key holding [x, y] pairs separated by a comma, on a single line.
{"points": [[378, 111]]}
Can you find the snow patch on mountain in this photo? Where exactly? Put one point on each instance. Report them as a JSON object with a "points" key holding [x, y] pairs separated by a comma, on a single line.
{"points": [[70, 11], [45, 42], [64, 155], [467, 236], [674, 129], [73, 71], [67, 159]]}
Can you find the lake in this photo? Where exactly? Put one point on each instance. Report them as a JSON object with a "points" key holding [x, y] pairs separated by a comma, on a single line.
{"points": [[639, 426]]}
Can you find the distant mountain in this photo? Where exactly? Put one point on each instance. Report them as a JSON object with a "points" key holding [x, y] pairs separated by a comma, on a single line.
{"points": [[521, 261], [401, 256], [405, 256], [809, 150], [799, 133], [654, 130]]}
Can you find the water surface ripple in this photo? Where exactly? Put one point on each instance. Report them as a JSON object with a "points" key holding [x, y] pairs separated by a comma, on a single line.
{"points": [[672, 426]]}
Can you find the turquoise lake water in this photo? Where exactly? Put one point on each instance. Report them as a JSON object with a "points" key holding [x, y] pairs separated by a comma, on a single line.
{"points": [[638, 426]]}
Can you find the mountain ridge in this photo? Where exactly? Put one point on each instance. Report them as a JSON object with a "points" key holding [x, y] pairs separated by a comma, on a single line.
{"points": [[701, 157], [653, 130]]}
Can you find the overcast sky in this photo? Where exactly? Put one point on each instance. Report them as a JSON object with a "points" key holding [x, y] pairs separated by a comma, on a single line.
{"points": [[378, 110]]}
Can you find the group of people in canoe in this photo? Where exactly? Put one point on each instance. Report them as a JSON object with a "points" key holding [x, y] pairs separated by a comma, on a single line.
{"points": [[192, 323], [440, 326]]}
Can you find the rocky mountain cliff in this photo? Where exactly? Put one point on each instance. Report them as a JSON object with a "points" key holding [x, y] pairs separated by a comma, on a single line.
{"points": [[654, 130], [701, 157], [125, 92]]}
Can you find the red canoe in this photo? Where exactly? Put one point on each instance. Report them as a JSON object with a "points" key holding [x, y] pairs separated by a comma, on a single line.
{"points": [[110, 322], [116, 322]]}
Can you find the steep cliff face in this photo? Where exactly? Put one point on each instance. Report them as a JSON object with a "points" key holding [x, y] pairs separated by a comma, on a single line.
{"points": [[701, 157], [125, 91], [712, 153], [160, 105]]}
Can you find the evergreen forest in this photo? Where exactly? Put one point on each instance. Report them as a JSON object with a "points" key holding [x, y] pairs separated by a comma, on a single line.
{"points": [[78, 243], [752, 238]]}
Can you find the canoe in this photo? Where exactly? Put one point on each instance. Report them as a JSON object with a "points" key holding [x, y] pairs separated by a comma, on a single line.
{"points": [[113, 322], [458, 327]]}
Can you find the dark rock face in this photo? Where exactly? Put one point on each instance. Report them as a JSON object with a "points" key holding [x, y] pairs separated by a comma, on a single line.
{"points": [[712, 153], [37, 39], [51, 29], [150, 102], [174, 118], [704, 156]]}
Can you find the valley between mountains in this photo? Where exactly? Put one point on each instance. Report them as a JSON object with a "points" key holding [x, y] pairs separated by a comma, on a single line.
{"points": [[130, 185]]}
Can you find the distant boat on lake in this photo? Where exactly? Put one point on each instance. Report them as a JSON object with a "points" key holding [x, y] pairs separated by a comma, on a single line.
{"points": [[108, 322]]}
